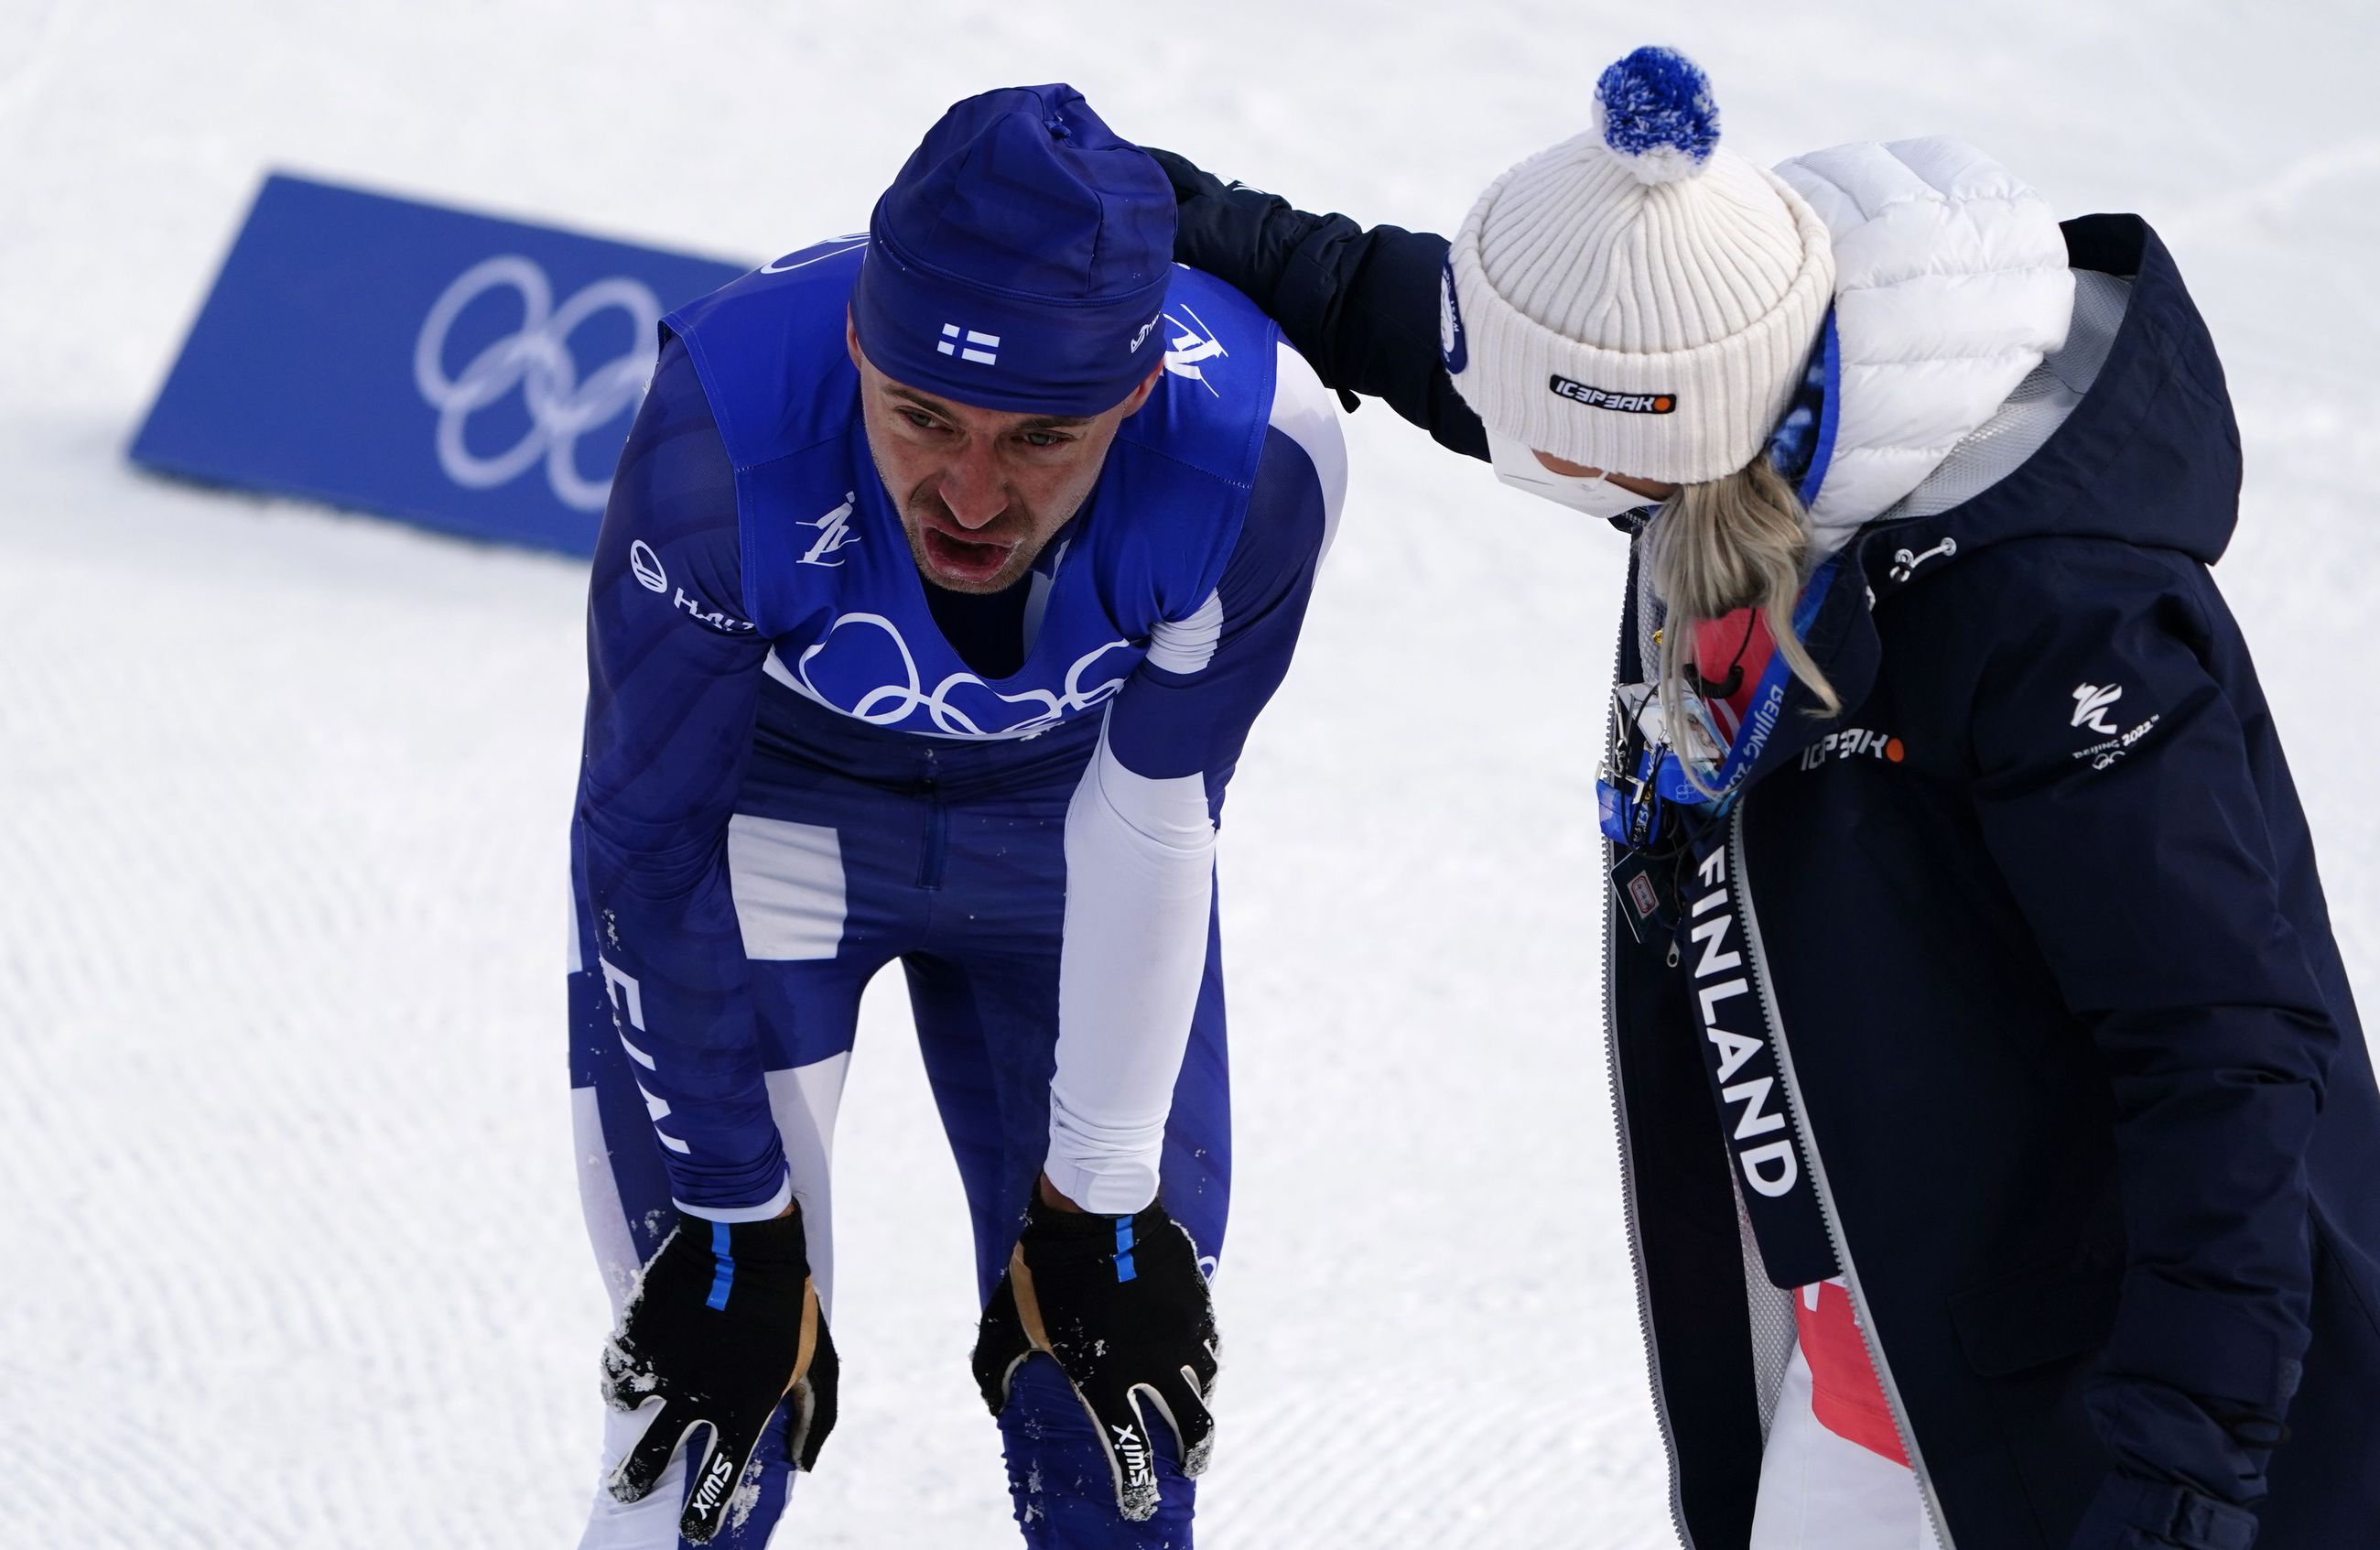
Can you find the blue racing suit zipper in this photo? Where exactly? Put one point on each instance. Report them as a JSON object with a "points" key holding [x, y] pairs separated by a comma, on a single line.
{"points": [[936, 844]]}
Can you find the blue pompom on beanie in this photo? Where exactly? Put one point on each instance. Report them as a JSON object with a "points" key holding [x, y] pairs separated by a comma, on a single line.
{"points": [[1656, 111], [1020, 259]]}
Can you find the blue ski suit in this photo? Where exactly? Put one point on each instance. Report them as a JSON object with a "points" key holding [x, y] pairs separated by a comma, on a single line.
{"points": [[802, 765]]}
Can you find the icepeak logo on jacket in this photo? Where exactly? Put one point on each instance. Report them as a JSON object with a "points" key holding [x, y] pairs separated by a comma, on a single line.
{"points": [[1855, 742]]}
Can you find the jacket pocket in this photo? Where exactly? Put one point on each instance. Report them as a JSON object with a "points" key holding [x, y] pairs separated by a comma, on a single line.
{"points": [[2041, 1312]]}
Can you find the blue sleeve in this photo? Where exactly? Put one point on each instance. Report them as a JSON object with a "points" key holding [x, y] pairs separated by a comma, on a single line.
{"points": [[1188, 708], [674, 675], [2115, 795]]}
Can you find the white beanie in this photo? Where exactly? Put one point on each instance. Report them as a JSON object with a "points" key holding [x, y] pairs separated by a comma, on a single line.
{"points": [[1637, 299]]}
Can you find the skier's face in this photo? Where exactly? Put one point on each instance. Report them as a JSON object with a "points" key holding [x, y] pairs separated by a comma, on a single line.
{"points": [[980, 491]]}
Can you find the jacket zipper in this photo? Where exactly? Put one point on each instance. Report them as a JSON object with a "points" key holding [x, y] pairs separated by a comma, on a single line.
{"points": [[1773, 1027], [937, 836], [1628, 1166], [1636, 1233]]}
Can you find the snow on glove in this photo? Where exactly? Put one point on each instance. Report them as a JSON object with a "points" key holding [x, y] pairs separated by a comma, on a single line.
{"points": [[724, 1325], [1120, 1305]]}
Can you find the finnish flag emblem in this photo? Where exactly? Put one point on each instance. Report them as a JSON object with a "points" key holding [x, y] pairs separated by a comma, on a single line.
{"points": [[968, 345]]}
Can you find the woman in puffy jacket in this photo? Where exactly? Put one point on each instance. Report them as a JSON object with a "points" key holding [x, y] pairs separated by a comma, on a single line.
{"points": [[1999, 1138]]}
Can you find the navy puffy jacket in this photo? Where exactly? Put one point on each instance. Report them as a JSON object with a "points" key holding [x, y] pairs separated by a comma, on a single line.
{"points": [[2036, 925]]}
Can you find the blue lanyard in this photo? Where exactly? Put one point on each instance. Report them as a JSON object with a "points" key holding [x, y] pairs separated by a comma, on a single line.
{"points": [[1821, 392], [1759, 726]]}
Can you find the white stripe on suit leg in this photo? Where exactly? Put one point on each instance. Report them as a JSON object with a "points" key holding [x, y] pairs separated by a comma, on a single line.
{"points": [[651, 1524], [805, 1099], [788, 885], [598, 1200]]}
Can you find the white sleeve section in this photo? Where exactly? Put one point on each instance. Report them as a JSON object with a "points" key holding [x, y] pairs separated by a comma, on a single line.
{"points": [[1187, 645], [1140, 872], [760, 1213], [1304, 410]]}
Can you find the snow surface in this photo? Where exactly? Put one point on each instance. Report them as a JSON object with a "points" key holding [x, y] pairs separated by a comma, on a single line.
{"points": [[292, 1252]]}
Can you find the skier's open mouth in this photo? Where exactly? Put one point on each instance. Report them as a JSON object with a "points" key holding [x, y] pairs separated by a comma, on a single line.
{"points": [[964, 560]]}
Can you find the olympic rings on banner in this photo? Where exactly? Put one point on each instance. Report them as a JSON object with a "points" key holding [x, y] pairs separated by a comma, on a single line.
{"points": [[535, 360]]}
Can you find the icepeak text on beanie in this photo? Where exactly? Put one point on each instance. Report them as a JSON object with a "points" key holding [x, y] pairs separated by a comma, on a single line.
{"points": [[1638, 300], [1020, 259]]}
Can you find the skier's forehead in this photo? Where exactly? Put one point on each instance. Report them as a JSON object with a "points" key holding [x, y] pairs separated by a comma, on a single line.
{"points": [[975, 414]]}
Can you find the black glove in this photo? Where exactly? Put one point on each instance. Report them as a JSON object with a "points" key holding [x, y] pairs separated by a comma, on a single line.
{"points": [[1119, 1303], [1189, 179], [1362, 307], [1246, 237], [2133, 1513], [723, 1326]]}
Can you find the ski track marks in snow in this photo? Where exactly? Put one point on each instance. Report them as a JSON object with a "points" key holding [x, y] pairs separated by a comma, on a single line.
{"points": [[255, 1082], [293, 1250]]}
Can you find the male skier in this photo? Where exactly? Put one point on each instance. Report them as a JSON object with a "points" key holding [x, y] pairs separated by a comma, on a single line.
{"points": [[945, 572]]}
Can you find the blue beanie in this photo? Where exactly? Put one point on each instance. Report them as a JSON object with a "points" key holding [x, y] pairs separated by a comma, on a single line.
{"points": [[1020, 259]]}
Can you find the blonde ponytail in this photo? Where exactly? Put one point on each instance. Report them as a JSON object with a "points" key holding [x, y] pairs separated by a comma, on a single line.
{"points": [[1733, 542]]}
